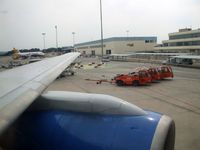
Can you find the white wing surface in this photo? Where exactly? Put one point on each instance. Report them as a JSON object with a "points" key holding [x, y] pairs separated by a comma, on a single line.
{"points": [[20, 86]]}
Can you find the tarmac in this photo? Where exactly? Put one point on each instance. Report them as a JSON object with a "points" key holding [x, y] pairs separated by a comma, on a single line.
{"points": [[178, 98]]}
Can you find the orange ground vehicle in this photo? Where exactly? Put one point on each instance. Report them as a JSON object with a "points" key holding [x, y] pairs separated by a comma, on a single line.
{"points": [[136, 78], [155, 75], [165, 72], [153, 71]]}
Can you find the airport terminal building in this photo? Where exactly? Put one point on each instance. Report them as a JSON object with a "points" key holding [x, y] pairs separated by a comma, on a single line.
{"points": [[117, 45], [184, 41]]}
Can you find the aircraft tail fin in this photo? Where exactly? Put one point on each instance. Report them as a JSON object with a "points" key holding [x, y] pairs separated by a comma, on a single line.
{"points": [[15, 54]]}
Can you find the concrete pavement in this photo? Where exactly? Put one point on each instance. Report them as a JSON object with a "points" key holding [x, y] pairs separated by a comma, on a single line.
{"points": [[178, 98]]}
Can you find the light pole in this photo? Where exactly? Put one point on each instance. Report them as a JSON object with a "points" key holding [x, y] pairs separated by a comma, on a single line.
{"points": [[127, 33], [73, 34], [43, 34], [101, 29], [56, 37]]}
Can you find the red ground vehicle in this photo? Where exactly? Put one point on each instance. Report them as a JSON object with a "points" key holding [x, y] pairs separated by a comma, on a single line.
{"points": [[153, 71], [155, 75], [165, 72], [136, 78]]}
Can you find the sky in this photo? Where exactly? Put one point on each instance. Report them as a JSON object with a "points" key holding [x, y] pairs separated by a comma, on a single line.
{"points": [[22, 22]]}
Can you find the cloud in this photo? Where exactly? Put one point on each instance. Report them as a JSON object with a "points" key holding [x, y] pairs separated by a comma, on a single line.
{"points": [[3, 12], [22, 21]]}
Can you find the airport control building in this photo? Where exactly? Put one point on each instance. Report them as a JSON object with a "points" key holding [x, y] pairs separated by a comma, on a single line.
{"points": [[184, 41], [117, 45]]}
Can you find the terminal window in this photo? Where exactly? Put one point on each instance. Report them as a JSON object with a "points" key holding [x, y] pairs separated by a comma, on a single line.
{"points": [[108, 51], [93, 52]]}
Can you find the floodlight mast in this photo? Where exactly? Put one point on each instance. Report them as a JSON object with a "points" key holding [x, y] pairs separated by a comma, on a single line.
{"points": [[101, 29], [43, 34], [56, 37], [73, 34]]}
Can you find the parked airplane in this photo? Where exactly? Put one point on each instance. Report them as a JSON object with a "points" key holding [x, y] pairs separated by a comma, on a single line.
{"points": [[17, 54], [60, 120]]}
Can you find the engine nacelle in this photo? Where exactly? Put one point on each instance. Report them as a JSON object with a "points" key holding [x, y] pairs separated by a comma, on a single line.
{"points": [[70, 120]]}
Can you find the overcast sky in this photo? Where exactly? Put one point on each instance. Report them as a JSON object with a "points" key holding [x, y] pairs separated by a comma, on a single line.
{"points": [[22, 22]]}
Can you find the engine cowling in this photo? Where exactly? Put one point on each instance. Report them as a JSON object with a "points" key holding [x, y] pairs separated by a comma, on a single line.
{"points": [[69, 120]]}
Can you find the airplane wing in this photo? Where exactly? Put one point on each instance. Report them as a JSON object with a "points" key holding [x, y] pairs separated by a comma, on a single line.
{"points": [[19, 87]]}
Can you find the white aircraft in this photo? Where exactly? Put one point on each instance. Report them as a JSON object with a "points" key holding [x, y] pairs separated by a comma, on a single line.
{"points": [[31, 54], [17, 54], [58, 120]]}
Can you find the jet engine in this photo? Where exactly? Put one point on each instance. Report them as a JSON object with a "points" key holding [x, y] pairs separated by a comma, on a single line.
{"points": [[60, 120]]}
